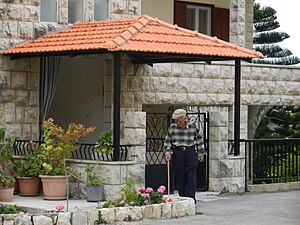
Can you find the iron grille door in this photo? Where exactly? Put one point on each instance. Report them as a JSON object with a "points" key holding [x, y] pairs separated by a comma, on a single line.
{"points": [[157, 125]]}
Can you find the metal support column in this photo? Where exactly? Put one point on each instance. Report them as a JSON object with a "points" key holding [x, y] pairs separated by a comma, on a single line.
{"points": [[237, 106], [117, 105]]}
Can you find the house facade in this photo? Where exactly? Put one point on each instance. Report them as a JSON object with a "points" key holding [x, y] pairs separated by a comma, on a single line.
{"points": [[85, 83]]}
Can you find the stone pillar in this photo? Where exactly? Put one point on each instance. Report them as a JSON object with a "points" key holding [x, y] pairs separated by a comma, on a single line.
{"points": [[249, 24], [125, 9], [237, 22], [63, 11]]}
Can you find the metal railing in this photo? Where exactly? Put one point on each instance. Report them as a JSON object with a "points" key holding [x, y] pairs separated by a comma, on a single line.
{"points": [[85, 151], [271, 160]]}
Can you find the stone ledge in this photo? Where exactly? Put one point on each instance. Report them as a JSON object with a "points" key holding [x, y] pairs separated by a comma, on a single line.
{"points": [[259, 188], [178, 208]]}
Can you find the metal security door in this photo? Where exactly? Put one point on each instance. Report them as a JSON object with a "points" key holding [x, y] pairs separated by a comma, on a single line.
{"points": [[156, 170]]}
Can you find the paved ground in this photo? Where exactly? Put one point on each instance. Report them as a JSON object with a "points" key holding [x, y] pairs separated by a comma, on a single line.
{"points": [[281, 208]]}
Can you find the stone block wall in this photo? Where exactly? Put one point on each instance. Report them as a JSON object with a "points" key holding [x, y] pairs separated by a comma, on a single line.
{"points": [[114, 174]]}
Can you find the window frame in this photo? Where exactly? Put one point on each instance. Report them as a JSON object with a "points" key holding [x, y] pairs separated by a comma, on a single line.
{"points": [[56, 14], [108, 9], [83, 11], [197, 9]]}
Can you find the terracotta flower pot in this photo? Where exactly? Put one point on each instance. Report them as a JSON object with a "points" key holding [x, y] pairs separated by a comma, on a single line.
{"points": [[6, 194], [54, 187], [28, 186]]}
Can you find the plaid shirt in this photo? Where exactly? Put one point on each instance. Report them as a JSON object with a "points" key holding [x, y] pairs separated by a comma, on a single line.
{"points": [[188, 136]]}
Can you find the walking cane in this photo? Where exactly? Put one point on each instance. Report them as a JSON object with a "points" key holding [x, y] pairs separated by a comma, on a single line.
{"points": [[168, 168]]}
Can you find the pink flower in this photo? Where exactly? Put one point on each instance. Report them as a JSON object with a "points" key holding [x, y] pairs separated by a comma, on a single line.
{"points": [[146, 195], [149, 190], [122, 202], [146, 201], [45, 164], [161, 189], [59, 207], [24, 214]]}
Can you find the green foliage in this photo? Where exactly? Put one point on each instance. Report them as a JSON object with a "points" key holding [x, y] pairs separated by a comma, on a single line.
{"points": [[264, 38], [6, 181], [278, 122], [7, 166], [129, 196], [92, 179], [104, 144], [31, 164], [59, 144], [100, 220], [9, 209]]}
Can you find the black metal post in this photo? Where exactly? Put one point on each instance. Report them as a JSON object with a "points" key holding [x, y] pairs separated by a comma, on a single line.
{"points": [[237, 106], [117, 105]]}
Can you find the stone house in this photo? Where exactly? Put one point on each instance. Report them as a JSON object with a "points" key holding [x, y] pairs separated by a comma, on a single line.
{"points": [[144, 89]]}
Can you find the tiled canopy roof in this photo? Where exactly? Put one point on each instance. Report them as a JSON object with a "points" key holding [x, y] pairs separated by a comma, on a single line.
{"points": [[143, 34]]}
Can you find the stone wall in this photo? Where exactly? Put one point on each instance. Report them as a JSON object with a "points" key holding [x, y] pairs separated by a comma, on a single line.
{"points": [[211, 87], [114, 174]]}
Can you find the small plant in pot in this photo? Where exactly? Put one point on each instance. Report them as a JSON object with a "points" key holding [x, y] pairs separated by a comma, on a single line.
{"points": [[7, 184], [29, 170], [94, 187]]}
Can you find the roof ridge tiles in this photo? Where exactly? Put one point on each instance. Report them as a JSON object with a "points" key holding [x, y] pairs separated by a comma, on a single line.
{"points": [[128, 33]]}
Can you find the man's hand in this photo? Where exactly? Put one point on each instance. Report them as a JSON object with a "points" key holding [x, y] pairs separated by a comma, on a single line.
{"points": [[168, 157], [201, 157]]}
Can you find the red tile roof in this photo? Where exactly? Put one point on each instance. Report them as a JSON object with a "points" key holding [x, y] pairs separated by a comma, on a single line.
{"points": [[141, 34]]}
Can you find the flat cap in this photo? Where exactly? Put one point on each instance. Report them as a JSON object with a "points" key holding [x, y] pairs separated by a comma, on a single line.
{"points": [[178, 113]]}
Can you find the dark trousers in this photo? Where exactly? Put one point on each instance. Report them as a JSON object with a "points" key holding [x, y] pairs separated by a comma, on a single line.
{"points": [[185, 166]]}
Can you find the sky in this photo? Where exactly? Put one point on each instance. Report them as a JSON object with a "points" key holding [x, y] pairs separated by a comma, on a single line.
{"points": [[288, 16]]}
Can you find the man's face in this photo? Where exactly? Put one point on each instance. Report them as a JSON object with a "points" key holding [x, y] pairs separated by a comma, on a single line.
{"points": [[181, 122]]}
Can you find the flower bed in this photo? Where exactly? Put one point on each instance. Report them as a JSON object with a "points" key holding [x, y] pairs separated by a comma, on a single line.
{"points": [[177, 208]]}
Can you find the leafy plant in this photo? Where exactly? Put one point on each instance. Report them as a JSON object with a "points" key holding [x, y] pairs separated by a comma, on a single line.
{"points": [[59, 144], [31, 164], [6, 181], [8, 209], [129, 196], [104, 144], [92, 179]]}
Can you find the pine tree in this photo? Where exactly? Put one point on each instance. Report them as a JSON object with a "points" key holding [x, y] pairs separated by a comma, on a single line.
{"points": [[279, 122], [265, 38]]}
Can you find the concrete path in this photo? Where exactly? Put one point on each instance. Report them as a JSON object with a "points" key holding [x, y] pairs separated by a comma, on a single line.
{"points": [[280, 208]]}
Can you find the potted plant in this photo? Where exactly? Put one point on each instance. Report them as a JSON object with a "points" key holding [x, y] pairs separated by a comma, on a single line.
{"points": [[105, 143], [7, 184], [29, 170], [59, 144], [94, 187], [7, 167]]}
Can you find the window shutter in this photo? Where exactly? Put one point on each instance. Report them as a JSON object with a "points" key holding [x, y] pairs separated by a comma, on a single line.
{"points": [[220, 23], [180, 14]]}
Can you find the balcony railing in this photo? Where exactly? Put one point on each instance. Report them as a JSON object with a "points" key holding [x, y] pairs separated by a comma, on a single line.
{"points": [[270, 160], [85, 151]]}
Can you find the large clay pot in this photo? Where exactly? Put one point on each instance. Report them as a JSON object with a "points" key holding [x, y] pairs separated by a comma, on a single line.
{"points": [[6, 194], [28, 186], [54, 187]]}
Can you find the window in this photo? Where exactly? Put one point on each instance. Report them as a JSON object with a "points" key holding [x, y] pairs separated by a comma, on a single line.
{"points": [[205, 18], [199, 18], [49, 10], [101, 10], [75, 10]]}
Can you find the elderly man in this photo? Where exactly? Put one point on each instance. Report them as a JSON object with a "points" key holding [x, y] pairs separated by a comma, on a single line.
{"points": [[184, 145]]}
